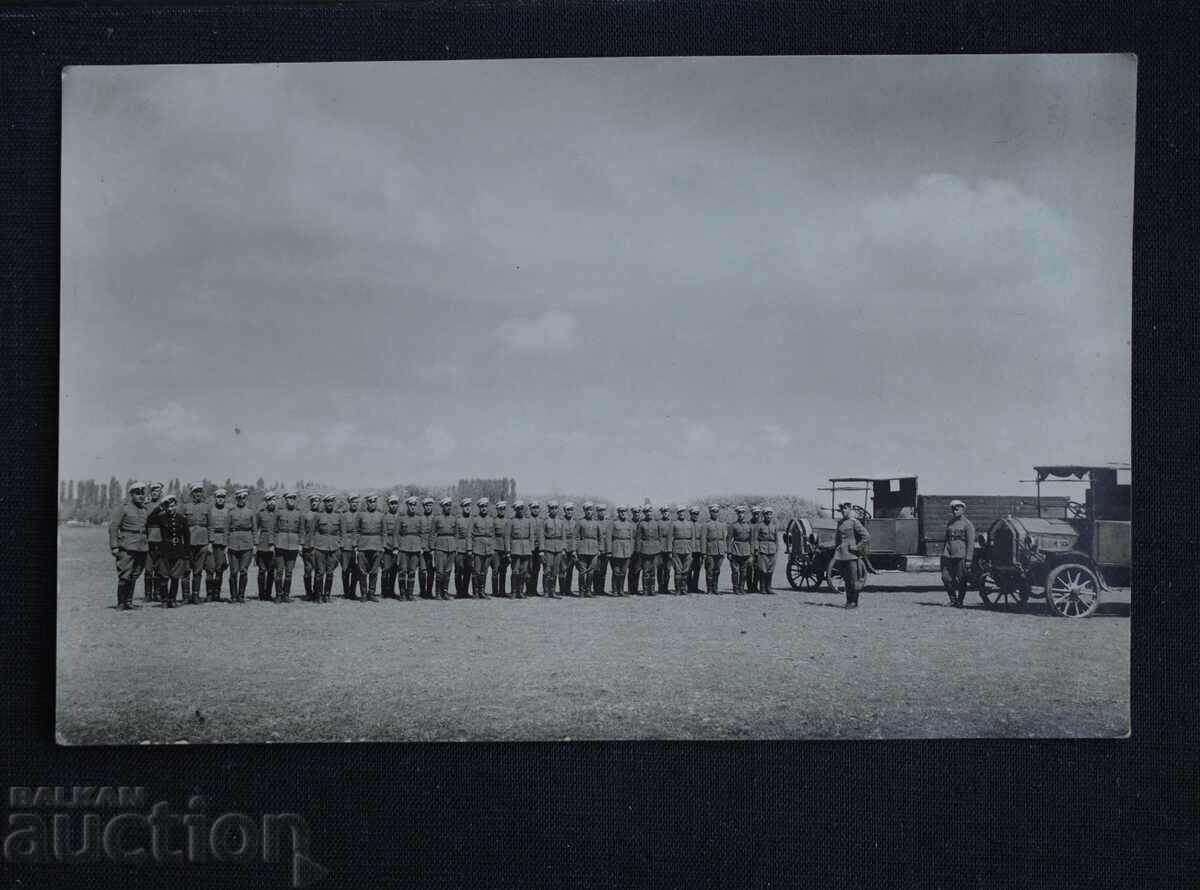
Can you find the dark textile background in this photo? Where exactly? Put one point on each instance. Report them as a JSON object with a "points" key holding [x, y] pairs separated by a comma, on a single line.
{"points": [[947, 814]]}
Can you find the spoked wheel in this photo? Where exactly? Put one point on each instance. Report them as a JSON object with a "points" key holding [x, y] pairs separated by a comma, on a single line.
{"points": [[802, 573], [1002, 593], [1073, 590]]}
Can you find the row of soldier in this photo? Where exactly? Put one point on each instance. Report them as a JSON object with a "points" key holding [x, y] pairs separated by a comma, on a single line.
{"points": [[394, 552]]}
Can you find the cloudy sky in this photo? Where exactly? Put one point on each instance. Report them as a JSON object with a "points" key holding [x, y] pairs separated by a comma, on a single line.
{"points": [[654, 277]]}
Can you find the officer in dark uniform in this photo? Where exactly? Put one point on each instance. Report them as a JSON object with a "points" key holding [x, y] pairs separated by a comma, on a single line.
{"points": [[462, 555], [620, 545], [665, 525], [740, 547], [289, 535], [369, 541], [714, 544], [306, 550], [196, 512], [766, 549], [519, 544], [483, 548], [326, 542], [445, 546], [697, 551], [391, 552], [588, 533], [849, 542], [649, 550], [633, 570], [241, 545], [428, 572], [600, 575], [216, 561], [411, 539], [264, 546], [127, 543], [535, 560], [751, 567], [569, 561], [957, 553], [173, 551], [552, 540], [681, 542], [500, 554], [153, 539], [349, 556]]}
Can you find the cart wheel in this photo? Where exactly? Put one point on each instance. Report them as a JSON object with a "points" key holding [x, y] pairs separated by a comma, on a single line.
{"points": [[1006, 594], [1073, 590], [833, 577], [803, 573]]}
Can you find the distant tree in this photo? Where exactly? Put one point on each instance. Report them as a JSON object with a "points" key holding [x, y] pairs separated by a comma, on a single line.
{"points": [[228, 483], [71, 490], [114, 491], [261, 484]]}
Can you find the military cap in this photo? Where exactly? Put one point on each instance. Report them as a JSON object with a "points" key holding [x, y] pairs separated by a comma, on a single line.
{"points": [[411, 499], [138, 486], [372, 497], [664, 509], [568, 506], [602, 506], [757, 508], [588, 505], [220, 493], [445, 502], [844, 504], [680, 508], [466, 502], [714, 506], [289, 494], [647, 509], [328, 499], [269, 496], [427, 500], [769, 509], [393, 499], [241, 492], [621, 507], [351, 498], [957, 503], [155, 485], [553, 504], [197, 487], [169, 499], [501, 504], [694, 510], [740, 508], [533, 504], [482, 502], [518, 504], [314, 499]]}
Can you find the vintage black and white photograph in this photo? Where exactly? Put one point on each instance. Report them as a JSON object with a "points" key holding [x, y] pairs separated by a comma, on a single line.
{"points": [[576, 399]]}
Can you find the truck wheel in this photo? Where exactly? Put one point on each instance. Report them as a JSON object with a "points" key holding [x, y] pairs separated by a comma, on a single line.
{"points": [[1073, 590]]}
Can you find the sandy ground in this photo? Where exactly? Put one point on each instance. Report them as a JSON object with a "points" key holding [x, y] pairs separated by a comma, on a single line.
{"points": [[792, 665]]}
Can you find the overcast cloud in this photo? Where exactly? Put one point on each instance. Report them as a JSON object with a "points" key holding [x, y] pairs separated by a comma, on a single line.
{"points": [[625, 277]]}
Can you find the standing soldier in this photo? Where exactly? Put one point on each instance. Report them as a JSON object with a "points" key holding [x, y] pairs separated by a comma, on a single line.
{"points": [[215, 562], [153, 539], [714, 545], [445, 545], [264, 545], [681, 541], [349, 558], [697, 551], [634, 567], [649, 550], [751, 568], [410, 542], [369, 546], [566, 565], [482, 548], [196, 511], [740, 547], [849, 540], [391, 553], [665, 525], [600, 575], [173, 549], [306, 547], [957, 553], [620, 540], [127, 542], [501, 557], [289, 536], [519, 544], [552, 538], [462, 556], [535, 561], [588, 534], [428, 571], [241, 545], [766, 549], [326, 542]]}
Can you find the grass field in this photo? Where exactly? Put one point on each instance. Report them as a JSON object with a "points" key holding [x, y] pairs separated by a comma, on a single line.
{"points": [[905, 664]]}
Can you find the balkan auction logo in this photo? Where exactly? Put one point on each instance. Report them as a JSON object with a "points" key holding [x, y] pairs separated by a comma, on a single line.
{"points": [[115, 825]]}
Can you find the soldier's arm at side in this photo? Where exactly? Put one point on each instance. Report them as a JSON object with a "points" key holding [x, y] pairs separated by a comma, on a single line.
{"points": [[970, 540], [114, 528]]}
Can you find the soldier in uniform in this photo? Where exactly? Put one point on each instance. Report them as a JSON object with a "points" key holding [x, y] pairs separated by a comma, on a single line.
{"points": [[326, 543], [740, 546], [679, 549], [649, 550], [713, 545], [391, 553], [849, 540], [369, 546], [568, 563], [957, 553], [127, 542], [519, 544], [349, 556], [241, 545], [535, 561], [216, 561], [174, 549], [428, 570], [633, 570], [306, 549], [264, 545], [153, 539], [445, 546], [462, 556], [600, 575], [619, 543], [289, 535], [665, 527], [552, 540], [483, 549], [766, 549], [196, 511], [411, 540], [751, 567], [588, 534], [501, 557], [697, 565]]}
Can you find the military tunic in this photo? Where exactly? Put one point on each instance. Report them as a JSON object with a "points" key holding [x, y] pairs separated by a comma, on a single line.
{"points": [[849, 540], [241, 539], [957, 552], [620, 549], [289, 536], [462, 554], [482, 552], [714, 543], [500, 557], [216, 562], [127, 537], [553, 541], [650, 553], [741, 549], [682, 538], [326, 541], [588, 536], [443, 532], [519, 542], [197, 514], [766, 550]]}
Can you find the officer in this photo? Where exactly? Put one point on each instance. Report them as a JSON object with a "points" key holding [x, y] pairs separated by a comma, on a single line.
{"points": [[697, 568], [349, 556], [410, 545], [264, 545], [957, 553], [289, 535], [552, 539], [326, 541], [174, 549], [681, 542], [483, 549], [519, 544], [633, 569], [153, 539], [462, 556], [535, 559], [751, 568], [713, 545], [428, 570], [369, 546], [216, 561], [600, 575], [588, 535], [849, 542], [766, 549], [391, 553], [665, 525], [127, 543], [501, 557], [306, 549], [445, 546], [620, 548], [241, 545], [650, 552], [739, 545], [196, 512], [569, 561]]}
